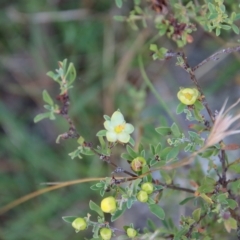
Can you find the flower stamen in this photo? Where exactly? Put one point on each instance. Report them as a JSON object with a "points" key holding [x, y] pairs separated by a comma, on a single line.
{"points": [[119, 128], [188, 96]]}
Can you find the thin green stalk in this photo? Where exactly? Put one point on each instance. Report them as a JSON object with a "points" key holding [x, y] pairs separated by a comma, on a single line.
{"points": [[153, 90]]}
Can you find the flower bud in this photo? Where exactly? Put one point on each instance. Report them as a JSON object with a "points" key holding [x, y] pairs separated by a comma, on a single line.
{"points": [[142, 196], [131, 232], [147, 187], [188, 96], [108, 205], [138, 163], [79, 224], [106, 233]]}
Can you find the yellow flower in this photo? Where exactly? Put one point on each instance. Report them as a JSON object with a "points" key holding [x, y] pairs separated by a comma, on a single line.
{"points": [[108, 205], [118, 129], [131, 232], [142, 196], [147, 187], [79, 224], [188, 96], [106, 233]]}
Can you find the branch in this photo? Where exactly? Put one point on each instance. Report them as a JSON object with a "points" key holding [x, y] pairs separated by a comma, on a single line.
{"points": [[47, 17], [224, 168], [189, 233], [174, 187], [214, 57]]}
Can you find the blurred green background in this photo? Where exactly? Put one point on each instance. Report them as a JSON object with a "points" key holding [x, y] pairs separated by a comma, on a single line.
{"points": [[34, 35]]}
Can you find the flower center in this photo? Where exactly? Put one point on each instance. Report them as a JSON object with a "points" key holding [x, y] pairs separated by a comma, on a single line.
{"points": [[119, 128], [188, 96]]}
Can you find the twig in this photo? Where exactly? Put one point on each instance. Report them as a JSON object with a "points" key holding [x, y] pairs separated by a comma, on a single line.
{"points": [[224, 169], [232, 180], [46, 17], [72, 132], [174, 187], [214, 57], [189, 233]]}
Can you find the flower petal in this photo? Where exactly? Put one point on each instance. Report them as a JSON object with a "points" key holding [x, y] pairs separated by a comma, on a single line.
{"points": [[111, 136], [128, 128], [117, 118], [108, 125], [123, 137]]}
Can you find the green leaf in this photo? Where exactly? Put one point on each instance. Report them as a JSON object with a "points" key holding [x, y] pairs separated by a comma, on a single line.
{"points": [[54, 76], [225, 27], [102, 142], [211, 7], [222, 198], [172, 154], [152, 149], [206, 198], [119, 18], [41, 116], [163, 130], [131, 152], [151, 225], [235, 28], [230, 223], [118, 3], [209, 152], [107, 118], [142, 154], [157, 211], [207, 185], [151, 201], [140, 147], [180, 108], [47, 98], [233, 16], [101, 133], [186, 200], [95, 230], [94, 187], [87, 151], [138, 10], [158, 148], [196, 214], [165, 152], [237, 17], [198, 105], [63, 65], [235, 168], [218, 31], [179, 234], [52, 116], [126, 156], [80, 140], [153, 47], [131, 141], [167, 178], [71, 74], [119, 212], [69, 219], [175, 130], [93, 206], [232, 203], [130, 202], [212, 16]]}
